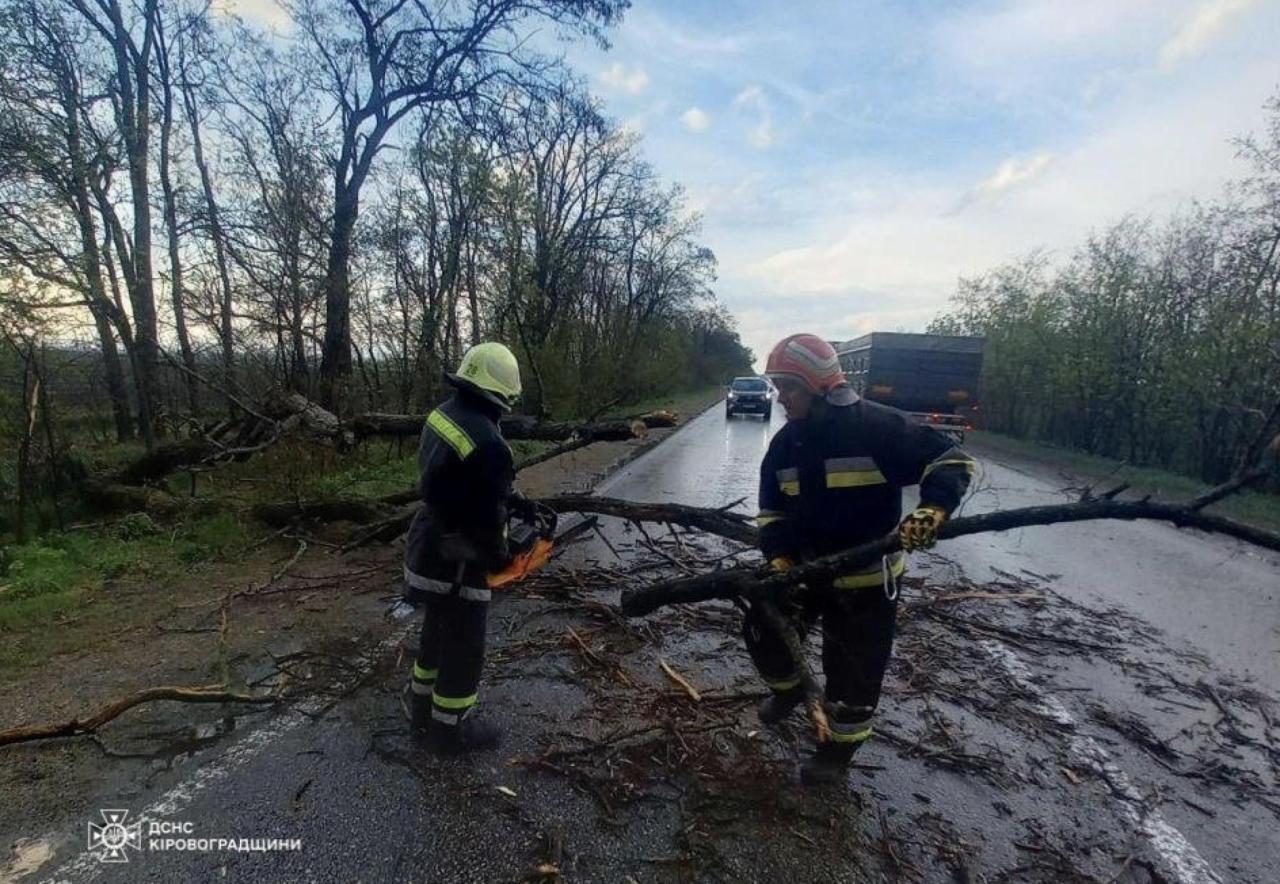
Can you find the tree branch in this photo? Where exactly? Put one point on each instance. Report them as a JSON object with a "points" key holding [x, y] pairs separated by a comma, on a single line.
{"points": [[80, 726], [753, 582]]}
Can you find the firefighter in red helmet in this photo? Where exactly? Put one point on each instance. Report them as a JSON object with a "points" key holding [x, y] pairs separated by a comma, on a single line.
{"points": [[831, 480]]}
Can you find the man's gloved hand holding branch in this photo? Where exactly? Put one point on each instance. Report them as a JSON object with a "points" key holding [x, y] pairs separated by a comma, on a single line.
{"points": [[919, 530]]}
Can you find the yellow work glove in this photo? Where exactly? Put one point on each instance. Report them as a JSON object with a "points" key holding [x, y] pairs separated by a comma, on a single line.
{"points": [[781, 563], [919, 530]]}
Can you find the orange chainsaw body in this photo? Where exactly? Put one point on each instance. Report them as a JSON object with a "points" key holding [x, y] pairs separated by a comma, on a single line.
{"points": [[522, 564]]}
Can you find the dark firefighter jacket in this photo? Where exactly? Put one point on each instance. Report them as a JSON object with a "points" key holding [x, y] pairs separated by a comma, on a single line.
{"points": [[835, 479], [466, 471]]}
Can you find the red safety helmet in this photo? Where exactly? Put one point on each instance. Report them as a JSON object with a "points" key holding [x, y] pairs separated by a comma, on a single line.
{"points": [[808, 359]]}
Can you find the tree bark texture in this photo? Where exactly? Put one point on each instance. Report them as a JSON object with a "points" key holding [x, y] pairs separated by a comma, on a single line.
{"points": [[113, 710], [753, 582]]}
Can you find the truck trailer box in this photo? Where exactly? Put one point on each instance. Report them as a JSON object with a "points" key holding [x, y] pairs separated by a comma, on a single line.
{"points": [[932, 376]]}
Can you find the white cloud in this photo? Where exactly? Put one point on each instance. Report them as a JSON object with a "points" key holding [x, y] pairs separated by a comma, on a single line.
{"points": [[621, 78], [751, 97], [739, 199], [832, 178], [1209, 20], [764, 134], [692, 46], [266, 13], [1012, 173], [695, 119], [1049, 23]]}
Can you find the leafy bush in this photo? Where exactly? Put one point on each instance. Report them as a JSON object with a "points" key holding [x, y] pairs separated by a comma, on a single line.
{"points": [[35, 569], [135, 526]]}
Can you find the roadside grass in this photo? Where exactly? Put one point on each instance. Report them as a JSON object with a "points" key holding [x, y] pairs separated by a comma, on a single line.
{"points": [[1254, 507], [84, 577], [378, 468]]}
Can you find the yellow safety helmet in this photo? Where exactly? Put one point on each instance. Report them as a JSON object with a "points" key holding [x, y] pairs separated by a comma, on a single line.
{"points": [[491, 370]]}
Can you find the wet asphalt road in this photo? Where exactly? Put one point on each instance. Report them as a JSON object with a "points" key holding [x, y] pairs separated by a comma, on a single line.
{"points": [[1102, 712], [1205, 599]]}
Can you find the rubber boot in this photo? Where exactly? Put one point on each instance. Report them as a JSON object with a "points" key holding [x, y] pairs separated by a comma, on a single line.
{"points": [[829, 764], [419, 712], [777, 707], [469, 735]]}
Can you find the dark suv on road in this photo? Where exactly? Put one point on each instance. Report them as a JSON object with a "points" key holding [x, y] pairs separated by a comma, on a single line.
{"points": [[749, 396]]}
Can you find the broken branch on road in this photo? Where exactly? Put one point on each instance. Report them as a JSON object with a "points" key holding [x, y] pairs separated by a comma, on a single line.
{"points": [[84, 726], [680, 680], [755, 581], [763, 586]]}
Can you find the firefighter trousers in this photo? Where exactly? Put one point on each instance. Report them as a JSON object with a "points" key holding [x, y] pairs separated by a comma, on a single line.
{"points": [[857, 638], [451, 652]]}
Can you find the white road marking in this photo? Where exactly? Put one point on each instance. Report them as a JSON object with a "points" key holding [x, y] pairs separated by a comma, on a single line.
{"points": [[1178, 859], [86, 866]]}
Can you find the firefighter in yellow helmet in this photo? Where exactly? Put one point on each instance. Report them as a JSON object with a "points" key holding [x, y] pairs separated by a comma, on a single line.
{"points": [[456, 538]]}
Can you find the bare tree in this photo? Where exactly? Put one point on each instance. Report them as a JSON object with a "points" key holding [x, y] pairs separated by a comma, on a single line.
{"points": [[278, 234], [176, 289], [505, 204], [49, 166], [196, 39], [381, 61], [130, 36]]}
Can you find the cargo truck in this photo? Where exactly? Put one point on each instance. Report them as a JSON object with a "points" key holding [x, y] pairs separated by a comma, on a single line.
{"points": [[934, 377]]}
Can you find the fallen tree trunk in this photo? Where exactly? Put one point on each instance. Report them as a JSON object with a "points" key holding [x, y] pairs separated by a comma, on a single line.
{"points": [[763, 587], [345, 509], [218, 445], [282, 415], [291, 415], [376, 423], [298, 416], [165, 459], [115, 498], [759, 581], [81, 726]]}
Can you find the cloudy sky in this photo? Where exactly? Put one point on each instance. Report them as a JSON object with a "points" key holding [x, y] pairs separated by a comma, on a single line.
{"points": [[852, 159]]}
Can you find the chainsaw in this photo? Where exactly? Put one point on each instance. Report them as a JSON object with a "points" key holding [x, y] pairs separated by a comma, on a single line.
{"points": [[531, 539]]}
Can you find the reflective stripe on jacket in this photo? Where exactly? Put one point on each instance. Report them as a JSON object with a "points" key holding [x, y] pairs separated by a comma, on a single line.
{"points": [[465, 476], [834, 480]]}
